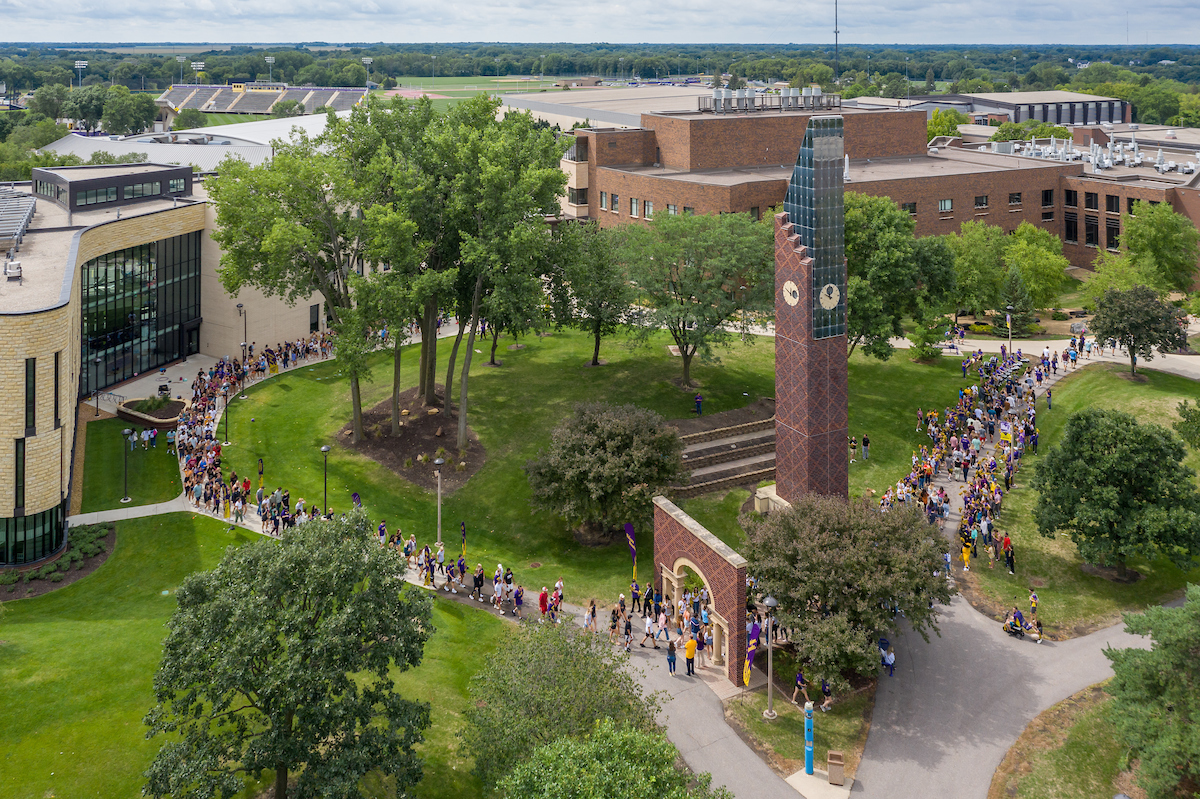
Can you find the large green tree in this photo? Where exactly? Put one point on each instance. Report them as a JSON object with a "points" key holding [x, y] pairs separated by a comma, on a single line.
{"points": [[613, 761], [125, 112], [290, 227], [978, 266], [547, 683], [1119, 489], [1155, 234], [48, 100], [840, 571], [1156, 698], [604, 466], [945, 122], [696, 275], [190, 118], [881, 271], [591, 289], [1121, 271], [1141, 322], [283, 659], [86, 105], [1037, 254]]}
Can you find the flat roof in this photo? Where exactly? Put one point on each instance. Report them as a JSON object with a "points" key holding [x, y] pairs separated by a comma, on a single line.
{"points": [[1026, 98], [107, 170], [47, 247]]}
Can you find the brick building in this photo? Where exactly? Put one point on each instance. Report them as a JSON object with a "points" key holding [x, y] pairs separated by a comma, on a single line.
{"points": [[740, 161], [110, 272]]}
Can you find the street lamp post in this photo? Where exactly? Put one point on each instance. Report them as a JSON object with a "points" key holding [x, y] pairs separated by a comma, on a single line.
{"points": [[245, 338], [225, 413], [439, 462], [771, 603], [270, 67], [1008, 320], [325, 506], [126, 433]]}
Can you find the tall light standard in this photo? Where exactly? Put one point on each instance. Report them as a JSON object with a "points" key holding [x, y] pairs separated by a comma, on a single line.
{"points": [[1008, 321], [225, 413], [542, 74], [434, 86], [245, 338], [907, 85], [367, 62], [621, 69], [270, 67], [126, 433], [197, 67], [325, 505], [439, 462], [80, 66], [182, 59], [868, 70], [771, 603]]}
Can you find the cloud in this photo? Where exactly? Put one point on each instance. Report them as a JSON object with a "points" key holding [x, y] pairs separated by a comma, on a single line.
{"points": [[670, 21]]}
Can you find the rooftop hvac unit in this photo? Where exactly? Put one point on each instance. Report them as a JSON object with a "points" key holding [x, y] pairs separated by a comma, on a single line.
{"points": [[12, 270], [1133, 126]]}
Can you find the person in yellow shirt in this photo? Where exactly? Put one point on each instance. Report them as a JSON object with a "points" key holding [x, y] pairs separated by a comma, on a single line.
{"points": [[966, 556], [689, 651]]}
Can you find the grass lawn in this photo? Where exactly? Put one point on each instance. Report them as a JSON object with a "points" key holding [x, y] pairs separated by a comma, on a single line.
{"points": [[1069, 597], [1068, 752], [719, 513], [153, 473], [843, 728], [77, 667], [514, 408]]}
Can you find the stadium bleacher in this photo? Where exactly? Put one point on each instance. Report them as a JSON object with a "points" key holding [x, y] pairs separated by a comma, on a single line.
{"points": [[319, 98], [346, 100], [256, 102], [177, 94], [203, 95]]}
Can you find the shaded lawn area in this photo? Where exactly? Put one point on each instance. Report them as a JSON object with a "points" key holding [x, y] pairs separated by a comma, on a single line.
{"points": [[844, 727], [1069, 598], [153, 473], [78, 665]]}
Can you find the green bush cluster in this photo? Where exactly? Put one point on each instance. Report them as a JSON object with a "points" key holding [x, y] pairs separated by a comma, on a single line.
{"points": [[981, 327], [151, 404], [87, 541], [1060, 316]]}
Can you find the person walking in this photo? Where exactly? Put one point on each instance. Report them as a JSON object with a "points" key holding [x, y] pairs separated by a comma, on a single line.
{"points": [[671, 658], [649, 622], [612, 626], [689, 651], [628, 634], [589, 619], [801, 688], [441, 557], [699, 404], [543, 604], [889, 661], [664, 625], [635, 591], [1033, 603], [827, 691], [866, 447], [518, 599]]}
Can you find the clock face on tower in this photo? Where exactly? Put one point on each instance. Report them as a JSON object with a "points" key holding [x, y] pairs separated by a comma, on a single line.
{"points": [[791, 293], [830, 295]]}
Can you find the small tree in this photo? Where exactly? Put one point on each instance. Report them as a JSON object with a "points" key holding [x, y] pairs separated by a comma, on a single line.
{"points": [[1156, 234], [978, 266], [546, 684], [945, 122], [1140, 322], [282, 658], [190, 118], [1156, 704], [841, 571], [48, 100], [1119, 489], [1013, 295], [604, 467], [696, 274], [1038, 255], [1188, 423], [287, 108], [613, 761], [592, 288]]}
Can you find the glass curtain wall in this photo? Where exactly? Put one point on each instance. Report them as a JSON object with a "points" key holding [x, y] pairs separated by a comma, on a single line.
{"points": [[136, 304], [29, 538]]}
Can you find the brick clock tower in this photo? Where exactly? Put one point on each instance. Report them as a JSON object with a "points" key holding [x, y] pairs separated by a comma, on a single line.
{"points": [[811, 415]]}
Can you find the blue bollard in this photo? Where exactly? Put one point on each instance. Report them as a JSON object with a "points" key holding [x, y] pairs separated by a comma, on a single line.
{"points": [[808, 738]]}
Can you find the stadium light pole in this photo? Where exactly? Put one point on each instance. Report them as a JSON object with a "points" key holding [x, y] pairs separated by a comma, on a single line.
{"points": [[434, 86], [80, 66], [197, 67], [182, 59], [270, 67], [367, 62]]}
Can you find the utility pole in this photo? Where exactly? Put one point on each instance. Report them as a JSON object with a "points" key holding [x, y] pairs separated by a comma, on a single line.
{"points": [[835, 43]]}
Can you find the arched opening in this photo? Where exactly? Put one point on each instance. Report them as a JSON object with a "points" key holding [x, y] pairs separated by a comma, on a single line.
{"points": [[687, 576]]}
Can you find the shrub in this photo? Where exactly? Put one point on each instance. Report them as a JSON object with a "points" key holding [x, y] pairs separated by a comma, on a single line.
{"points": [[1060, 316], [981, 327], [9, 577], [408, 462], [151, 404], [56, 577]]}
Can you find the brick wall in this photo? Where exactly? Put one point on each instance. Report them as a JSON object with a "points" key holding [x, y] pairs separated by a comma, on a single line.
{"points": [[677, 537], [1079, 253], [811, 385]]}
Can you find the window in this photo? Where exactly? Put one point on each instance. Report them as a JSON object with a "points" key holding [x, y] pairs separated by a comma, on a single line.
{"points": [[57, 388], [94, 196], [1091, 231], [1071, 227], [1129, 201], [945, 206], [615, 206], [1014, 198], [910, 208], [648, 209], [1112, 234], [603, 201], [1071, 198], [30, 396], [314, 318], [755, 213], [1047, 216], [19, 481], [980, 201], [176, 185], [1112, 203], [577, 196], [672, 209], [633, 207], [1047, 198], [688, 210], [1091, 201], [136, 190]]}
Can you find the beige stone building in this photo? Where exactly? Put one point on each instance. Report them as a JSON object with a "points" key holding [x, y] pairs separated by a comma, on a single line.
{"points": [[109, 272]]}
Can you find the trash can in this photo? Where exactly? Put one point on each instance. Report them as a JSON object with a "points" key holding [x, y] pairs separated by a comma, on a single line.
{"points": [[836, 766]]}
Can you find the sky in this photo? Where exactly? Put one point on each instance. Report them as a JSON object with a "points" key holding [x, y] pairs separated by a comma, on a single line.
{"points": [[1026, 22]]}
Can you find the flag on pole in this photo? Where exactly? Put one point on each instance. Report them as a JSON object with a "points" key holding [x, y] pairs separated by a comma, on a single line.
{"points": [[751, 648], [629, 537], [464, 539]]}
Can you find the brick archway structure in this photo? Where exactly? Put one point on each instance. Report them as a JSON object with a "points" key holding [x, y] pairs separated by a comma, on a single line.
{"points": [[682, 542]]}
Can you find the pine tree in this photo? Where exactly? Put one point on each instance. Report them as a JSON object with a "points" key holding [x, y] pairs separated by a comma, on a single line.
{"points": [[1013, 294], [930, 82]]}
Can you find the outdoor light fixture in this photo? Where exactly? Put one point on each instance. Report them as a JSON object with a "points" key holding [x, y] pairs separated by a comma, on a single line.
{"points": [[439, 462], [325, 452], [771, 603], [127, 432]]}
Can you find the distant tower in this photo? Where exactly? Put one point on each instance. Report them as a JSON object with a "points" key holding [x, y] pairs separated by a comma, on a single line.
{"points": [[811, 415]]}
